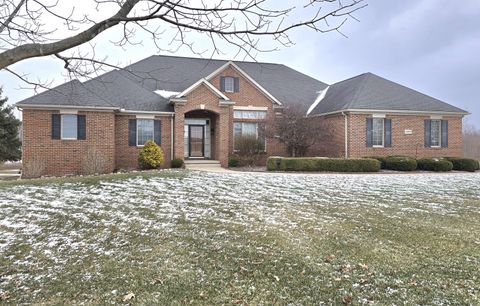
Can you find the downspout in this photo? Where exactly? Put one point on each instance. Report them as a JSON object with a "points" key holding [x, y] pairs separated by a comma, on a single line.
{"points": [[346, 133], [171, 137]]}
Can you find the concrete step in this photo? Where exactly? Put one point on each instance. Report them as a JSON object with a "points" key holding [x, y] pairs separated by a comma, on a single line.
{"points": [[201, 164]]}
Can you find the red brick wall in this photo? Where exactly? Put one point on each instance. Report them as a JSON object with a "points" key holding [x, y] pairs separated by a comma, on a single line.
{"points": [[409, 145], [65, 157], [202, 95], [250, 95], [127, 156], [332, 141]]}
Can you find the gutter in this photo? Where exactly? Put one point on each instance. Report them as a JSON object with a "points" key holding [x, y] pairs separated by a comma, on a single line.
{"points": [[55, 107], [393, 112]]}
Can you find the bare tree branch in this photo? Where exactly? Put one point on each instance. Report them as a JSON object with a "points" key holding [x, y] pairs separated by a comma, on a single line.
{"points": [[27, 30], [11, 16]]}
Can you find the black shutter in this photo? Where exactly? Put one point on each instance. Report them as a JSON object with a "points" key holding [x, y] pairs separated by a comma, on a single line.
{"points": [[444, 133], [222, 84], [369, 132], [428, 133], [132, 132], [388, 133], [157, 132], [236, 84], [56, 126], [81, 127]]}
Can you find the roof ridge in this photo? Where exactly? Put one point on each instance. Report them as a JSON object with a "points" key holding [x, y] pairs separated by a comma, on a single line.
{"points": [[409, 88], [213, 59], [359, 88]]}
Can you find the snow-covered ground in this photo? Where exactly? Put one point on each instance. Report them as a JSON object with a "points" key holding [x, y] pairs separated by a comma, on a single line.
{"points": [[66, 224]]}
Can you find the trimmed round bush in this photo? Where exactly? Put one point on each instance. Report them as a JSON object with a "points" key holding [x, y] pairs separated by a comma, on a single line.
{"points": [[400, 163], [434, 164], [150, 156], [381, 159], [233, 161], [177, 163], [323, 164], [464, 164]]}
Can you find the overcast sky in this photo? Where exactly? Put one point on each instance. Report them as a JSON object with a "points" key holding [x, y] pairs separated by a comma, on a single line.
{"points": [[429, 45]]}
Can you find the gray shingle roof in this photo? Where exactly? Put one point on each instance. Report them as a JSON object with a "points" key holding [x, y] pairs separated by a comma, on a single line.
{"points": [[371, 92], [72, 93], [133, 88], [174, 73], [123, 93]]}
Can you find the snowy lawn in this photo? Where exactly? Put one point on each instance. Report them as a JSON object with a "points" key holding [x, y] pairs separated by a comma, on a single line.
{"points": [[180, 237]]}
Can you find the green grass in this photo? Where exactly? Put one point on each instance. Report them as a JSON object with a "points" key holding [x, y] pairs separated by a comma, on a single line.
{"points": [[189, 238]]}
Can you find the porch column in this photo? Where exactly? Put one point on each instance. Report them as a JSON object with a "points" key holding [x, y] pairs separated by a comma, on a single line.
{"points": [[179, 121], [223, 135]]}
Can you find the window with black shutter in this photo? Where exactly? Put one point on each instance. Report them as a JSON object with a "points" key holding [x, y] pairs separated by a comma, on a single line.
{"points": [[229, 84], [69, 127]]}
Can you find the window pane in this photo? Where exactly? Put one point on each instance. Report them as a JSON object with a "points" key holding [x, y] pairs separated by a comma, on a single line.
{"points": [[69, 126], [435, 133], [229, 84], [249, 128], [144, 131], [378, 131], [244, 114]]}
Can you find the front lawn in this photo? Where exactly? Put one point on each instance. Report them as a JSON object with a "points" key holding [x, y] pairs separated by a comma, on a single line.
{"points": [[181, 237]]}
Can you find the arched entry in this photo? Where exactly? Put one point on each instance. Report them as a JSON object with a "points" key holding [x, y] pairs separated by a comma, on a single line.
{"points": [[200, 128]]}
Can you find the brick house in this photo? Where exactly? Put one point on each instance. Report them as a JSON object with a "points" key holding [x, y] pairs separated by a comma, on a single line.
{"points": [[194, 109]]}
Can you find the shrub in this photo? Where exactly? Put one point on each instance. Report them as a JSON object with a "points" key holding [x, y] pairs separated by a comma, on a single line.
{"points": [[434, 164], [381, 159], [248, 148], [151, 156], [233, 161], [323, 164], [95, 162], [464, 164], [177, 163], [273, 163], [33, 168], [400, 163]]}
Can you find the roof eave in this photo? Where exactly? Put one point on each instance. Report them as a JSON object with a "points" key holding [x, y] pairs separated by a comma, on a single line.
{"points": [[55, 107], [402, 112]]}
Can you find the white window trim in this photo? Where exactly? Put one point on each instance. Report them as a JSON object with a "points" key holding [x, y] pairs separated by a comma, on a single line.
{"points": [[250, 107], [142, 145], [383, 133], [225, 83], [62, 125], [439, 133]]}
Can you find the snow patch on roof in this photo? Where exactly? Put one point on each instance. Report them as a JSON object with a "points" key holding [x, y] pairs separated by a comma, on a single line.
{"points": [[320, 97], [167, 94]]}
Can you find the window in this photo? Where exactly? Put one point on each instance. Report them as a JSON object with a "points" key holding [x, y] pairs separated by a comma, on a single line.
{"points": [[378, 132], [435, 133], [246, 114], [229, 84], [69, 127], [249, 128], [145, 131]]}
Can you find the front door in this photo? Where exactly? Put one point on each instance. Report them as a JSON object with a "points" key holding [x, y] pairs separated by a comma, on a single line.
{"points": [[196, 136]]}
